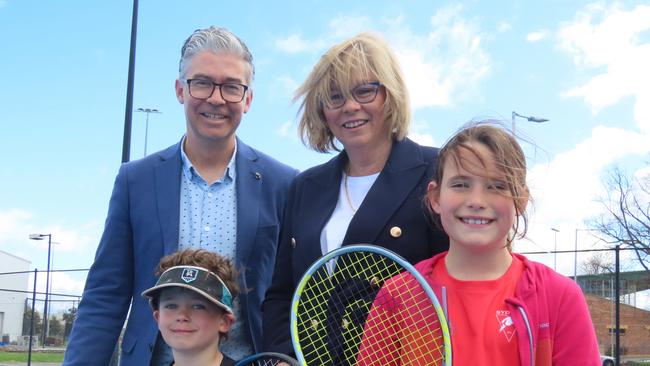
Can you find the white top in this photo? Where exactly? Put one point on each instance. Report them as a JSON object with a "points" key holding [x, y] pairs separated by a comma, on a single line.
{"points": [[334, 231]]}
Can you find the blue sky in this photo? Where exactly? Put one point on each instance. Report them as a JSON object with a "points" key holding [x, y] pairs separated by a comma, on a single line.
{"points": [[582, 65]]}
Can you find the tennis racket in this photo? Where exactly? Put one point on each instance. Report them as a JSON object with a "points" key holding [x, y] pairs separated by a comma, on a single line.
{"points": [[365, 305], [267, 359]]}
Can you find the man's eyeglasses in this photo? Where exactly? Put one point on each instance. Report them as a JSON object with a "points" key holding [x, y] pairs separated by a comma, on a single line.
{"points": [[364, 93], [203, 89]]}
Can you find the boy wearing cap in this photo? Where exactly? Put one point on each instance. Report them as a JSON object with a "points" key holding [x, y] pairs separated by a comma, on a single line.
{"points": [[192, 304]]}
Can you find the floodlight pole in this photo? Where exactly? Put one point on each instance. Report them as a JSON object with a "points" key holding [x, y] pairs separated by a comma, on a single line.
{"points": [[47, 282], [555, 248], [146, 128]]}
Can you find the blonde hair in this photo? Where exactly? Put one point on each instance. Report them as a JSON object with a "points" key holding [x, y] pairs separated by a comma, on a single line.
{"points": [[508, 157], [367, 56]]}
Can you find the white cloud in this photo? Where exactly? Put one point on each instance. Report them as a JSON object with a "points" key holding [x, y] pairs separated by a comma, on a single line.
{"points": [[537, 36], [417, 133], [573, 178], [287, 85], [287, 130], [14, 225], [296, 44], [643, 173], [608, 38], [340, 28], [345, 26], [422, 138], [62, 283], [565, 191], [603, 41], [440, 67], [504, 27], [445, 64]]}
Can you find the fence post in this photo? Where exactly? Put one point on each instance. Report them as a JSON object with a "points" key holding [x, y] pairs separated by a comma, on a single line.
{"points": [[618, 305], [31, 323]]}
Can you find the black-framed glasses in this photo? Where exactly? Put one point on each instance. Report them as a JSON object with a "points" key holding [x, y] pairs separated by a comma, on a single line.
{"points": [[364, 93], [203, 89]]}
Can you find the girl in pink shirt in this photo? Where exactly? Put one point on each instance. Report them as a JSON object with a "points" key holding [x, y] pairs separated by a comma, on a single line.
{"points": [[502, 308]]}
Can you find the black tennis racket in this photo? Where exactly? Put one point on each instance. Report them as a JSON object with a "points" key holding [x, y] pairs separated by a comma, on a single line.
{"points": [[365, 305], [267, 359]]}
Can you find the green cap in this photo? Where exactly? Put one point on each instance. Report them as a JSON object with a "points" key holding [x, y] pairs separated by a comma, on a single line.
{"points": [[197, 279]]}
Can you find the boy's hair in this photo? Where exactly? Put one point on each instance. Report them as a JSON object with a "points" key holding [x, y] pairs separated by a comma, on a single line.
{"points": [[213, 262], [216, 40], [366, 56], [508, 157]]}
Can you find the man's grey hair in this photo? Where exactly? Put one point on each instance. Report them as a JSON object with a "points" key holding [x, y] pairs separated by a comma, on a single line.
{"points": [[216, 40]]}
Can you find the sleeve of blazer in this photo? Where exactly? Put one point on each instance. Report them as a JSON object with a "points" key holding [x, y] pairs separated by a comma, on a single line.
{"points": [[277, 302], [107, 293]]}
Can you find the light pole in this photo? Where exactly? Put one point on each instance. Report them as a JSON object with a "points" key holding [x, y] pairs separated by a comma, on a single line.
{"points": [[528, 118], [47, 280], [146, 128], [555, 231]]}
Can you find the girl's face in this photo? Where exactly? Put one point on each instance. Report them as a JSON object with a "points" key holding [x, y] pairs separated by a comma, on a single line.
{"points": [[189, 322], [473, 201]]}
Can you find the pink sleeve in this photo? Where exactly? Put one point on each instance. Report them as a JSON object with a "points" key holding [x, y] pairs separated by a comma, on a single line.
{"points": [[379, 345], [574, 341]]}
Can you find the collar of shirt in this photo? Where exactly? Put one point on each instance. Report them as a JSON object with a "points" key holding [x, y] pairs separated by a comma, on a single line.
{"points": [[192, 175]]}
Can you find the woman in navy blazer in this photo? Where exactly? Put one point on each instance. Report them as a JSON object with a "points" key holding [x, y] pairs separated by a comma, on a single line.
{"points": [[371, 192]]}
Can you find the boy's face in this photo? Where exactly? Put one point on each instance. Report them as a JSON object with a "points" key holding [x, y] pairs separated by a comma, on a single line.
{"points": [[188, 321]]}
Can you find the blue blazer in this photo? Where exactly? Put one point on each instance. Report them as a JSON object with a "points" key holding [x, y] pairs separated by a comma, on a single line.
{"points": [[394, 200], [142, 226]]}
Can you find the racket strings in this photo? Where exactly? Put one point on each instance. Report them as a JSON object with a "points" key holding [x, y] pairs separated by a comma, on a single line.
{"points": [[403, 327], [336, 302], [267, 360]]}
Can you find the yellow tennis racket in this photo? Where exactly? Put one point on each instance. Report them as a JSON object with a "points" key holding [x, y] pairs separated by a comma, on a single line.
{"points": [[365, 305]]}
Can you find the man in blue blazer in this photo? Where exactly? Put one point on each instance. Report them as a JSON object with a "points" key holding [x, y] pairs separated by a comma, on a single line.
{"points": [[209, 191]]}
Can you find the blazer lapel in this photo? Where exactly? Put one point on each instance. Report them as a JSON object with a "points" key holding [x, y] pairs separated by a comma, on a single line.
{"points": [[399, 177], [249, 183], [320, 193], [168, 191]]}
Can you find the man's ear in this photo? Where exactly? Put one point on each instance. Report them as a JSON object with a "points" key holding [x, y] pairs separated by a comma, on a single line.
{"points": [[433, 196], [248, 99], [156, 315], [178, 86]]}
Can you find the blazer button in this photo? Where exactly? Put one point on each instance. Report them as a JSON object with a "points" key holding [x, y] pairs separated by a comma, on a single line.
{"points": [[293, 242], [395, 232]]}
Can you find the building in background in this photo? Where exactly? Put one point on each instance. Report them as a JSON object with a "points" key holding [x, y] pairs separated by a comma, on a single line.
{"points": [[12, 303]]}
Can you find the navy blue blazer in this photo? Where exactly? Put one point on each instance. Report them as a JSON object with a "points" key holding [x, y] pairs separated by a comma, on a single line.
{"points": [[394, 200], [142, 226]]}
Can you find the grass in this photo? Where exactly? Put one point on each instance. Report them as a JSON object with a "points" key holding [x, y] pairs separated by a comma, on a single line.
{"points": [[36, 356]]}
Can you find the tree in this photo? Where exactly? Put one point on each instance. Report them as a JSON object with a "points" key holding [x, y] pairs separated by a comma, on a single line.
{"points": [[56, 328], [597, 264], [627, 218], [68, 318], [27, 321]]}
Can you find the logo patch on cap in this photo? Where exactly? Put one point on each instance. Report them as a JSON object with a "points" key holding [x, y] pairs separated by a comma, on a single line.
{"points": [[189, 274]]}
